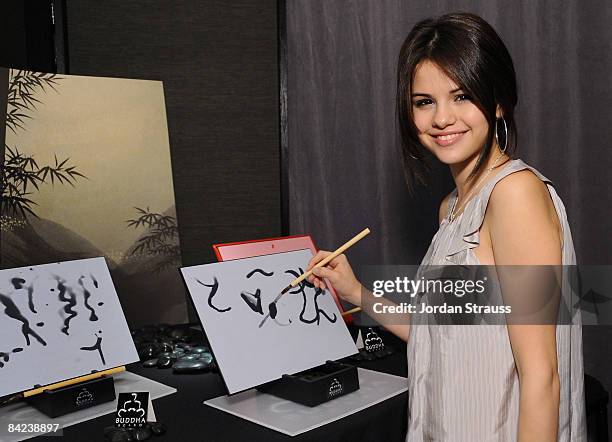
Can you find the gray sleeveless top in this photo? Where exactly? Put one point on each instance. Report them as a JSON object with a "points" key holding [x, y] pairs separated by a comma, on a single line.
{"points": [[462, 379]]}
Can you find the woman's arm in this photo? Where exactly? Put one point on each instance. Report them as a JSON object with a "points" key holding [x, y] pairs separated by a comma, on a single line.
{"points": [[524, 231], [341, 276]]}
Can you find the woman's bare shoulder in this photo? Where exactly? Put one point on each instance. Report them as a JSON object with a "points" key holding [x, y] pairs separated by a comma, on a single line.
{"points": [[523, 223], [521, 188]]}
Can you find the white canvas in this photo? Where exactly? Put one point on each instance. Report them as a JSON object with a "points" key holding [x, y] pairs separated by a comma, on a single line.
{"points": [[59, 321], [307, 330]]}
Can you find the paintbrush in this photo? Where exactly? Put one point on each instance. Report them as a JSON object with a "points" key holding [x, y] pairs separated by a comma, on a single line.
{"points": [[321, 263]]}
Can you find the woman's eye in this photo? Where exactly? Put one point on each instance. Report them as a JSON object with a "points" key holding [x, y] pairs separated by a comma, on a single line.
{"points": [[423, 102], [462, 97]]}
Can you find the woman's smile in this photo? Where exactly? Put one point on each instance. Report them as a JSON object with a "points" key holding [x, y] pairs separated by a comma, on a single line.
{"points": [[445, 139]]}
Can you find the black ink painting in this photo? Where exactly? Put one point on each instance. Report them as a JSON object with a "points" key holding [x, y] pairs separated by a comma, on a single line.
{"points": [[62, 317], [86, 172], [248, 325]]}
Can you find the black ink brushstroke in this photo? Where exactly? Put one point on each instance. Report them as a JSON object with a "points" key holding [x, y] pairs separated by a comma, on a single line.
{"points": [[299, 288], [318, 292], [31, 298], [94, 280], [100, 304], [273, 310], [11, 310], [263, 272], [214, 287], [70, 302], [6, 357], [18, 283], [318, 310], [253, 300], [87, 295], [40, 324], [96, 346]]}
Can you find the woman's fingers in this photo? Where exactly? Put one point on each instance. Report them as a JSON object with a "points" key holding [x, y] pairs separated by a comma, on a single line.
{"points": [[320, 284], [316, 277], [320, 256], [323, 272]]}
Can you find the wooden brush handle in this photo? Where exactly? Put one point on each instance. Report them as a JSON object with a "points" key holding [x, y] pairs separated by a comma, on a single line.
{"points": [[73, 381], [337, 252]]}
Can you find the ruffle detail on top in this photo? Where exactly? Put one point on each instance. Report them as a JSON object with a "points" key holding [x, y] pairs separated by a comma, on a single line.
{"points": [[464, 232]]}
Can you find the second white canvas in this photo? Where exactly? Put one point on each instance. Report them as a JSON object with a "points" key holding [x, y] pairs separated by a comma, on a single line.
{"points": [[254, 339]]}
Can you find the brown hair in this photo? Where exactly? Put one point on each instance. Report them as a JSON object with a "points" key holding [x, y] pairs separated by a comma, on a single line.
{"points": [[471, 53]]}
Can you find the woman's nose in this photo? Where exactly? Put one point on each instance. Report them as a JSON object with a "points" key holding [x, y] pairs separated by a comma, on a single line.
{"points": [[443, 116]]}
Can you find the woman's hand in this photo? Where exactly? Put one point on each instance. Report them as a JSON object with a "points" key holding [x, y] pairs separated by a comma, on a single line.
{"points": [[339, 273]]}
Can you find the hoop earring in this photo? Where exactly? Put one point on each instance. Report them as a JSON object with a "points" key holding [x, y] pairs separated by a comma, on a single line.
{"points": [[502, 149]]}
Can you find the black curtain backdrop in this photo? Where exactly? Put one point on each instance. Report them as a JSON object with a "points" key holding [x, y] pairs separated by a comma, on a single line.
{"points": [[342, 154]]}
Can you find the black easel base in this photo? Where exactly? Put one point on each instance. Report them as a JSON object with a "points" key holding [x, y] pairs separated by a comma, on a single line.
{"points": [[55, 403], [315, 386]]}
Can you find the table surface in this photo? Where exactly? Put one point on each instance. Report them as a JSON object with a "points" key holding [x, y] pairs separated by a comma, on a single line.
{"points": [[187, 418]]}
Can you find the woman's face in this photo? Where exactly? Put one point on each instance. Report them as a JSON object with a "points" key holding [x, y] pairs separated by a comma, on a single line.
{"points": [[449, 124]]}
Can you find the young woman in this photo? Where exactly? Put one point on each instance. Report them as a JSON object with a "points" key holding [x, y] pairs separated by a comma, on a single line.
{"points": [[456, 95]]}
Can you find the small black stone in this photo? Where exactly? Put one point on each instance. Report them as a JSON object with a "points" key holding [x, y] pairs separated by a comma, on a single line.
{"points": [[190, 366], [200, 349], [164, 362], [166, 347], [143, 433], [150, 363], [120, 435], [157, 428], [206, 357], [148, 350]]}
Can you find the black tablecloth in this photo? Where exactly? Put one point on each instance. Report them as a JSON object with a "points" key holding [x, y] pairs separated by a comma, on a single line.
{"points": [[188, 419]]}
